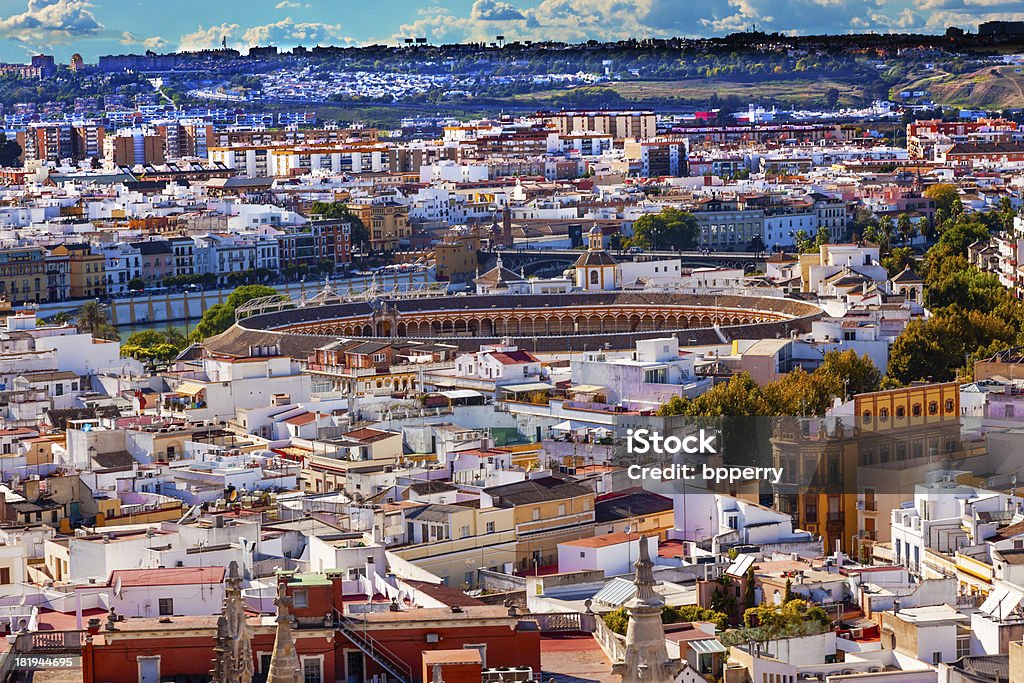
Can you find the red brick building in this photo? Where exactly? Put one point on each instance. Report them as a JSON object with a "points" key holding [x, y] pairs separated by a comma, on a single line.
{"points": [[331, 645]]}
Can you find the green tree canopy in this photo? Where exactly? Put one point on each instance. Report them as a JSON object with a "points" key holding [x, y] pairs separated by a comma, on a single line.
{"points": [[669, 229], [92, 319], [220, 317]]}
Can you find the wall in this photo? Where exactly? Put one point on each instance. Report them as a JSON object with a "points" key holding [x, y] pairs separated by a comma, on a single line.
{"points": [[144, 601]]}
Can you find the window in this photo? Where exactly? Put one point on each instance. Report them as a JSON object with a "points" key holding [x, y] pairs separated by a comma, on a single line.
{"points": [[5, 575], [949, 405], [300, 599], [933, 407], [561, 509], [536, 513], [593, 277], [464, 532], [166, 607], [936, 658], [900, 411], [312, 670], [583, 554], [917, 410], [490, 527], [963, 646]]}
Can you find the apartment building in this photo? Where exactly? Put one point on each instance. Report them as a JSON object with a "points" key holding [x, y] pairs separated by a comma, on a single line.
{"points": [[656, 157], [86, 276], [23, 275], [386, 220], [547, 511]]}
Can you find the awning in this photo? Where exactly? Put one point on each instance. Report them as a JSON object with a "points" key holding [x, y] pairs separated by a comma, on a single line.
{"points": [[706, 647], [525, 388], [571, 426], [189, 388], [585, 389], [460, 393]]}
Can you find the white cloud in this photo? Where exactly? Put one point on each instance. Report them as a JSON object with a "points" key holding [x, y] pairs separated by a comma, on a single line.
{"points": [[291, 4], [287, 32], [51, 21], [574, 20], [494, 10], [151, 43], [207, 38]]}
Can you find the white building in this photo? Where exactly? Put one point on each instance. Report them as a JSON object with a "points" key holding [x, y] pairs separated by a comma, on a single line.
{"points": [[167, 592], [653, 373], [614, 553]]}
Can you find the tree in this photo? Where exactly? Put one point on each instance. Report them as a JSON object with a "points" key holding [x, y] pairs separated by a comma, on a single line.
{"points": [[749, 594], [857, 373], [898, 260], [961, 234], [788, 594], [904, 227], [618, 620], [136, 284], [722, 598], [831, 98], [946, 198], [153, 347], [10, 151], [220, 317], [92, 319], [794, 617], [670, 229]]}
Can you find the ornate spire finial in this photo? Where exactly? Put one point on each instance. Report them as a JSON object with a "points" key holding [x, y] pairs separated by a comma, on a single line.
{"points": [[644, 578], [284, 662], [233, 662]]}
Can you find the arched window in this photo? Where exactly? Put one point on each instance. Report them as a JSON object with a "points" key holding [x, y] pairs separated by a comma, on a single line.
{"points": [[883, 414], [916, 410], [867, 416], [593, 277], [949, 405], [933, 407]]}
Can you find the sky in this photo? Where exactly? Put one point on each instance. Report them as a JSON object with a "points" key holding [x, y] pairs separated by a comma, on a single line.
{"points": [[92, 28]]}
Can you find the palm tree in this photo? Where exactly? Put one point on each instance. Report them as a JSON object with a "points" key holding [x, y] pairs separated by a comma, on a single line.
{"points": [[92, 318], [904, 227], [175, 337]]}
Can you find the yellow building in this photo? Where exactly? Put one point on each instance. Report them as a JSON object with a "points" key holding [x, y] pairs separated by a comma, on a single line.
{"points": [[841, 480], [386, 221], [454, 541], [23, 275], [546, 512], [456, 259], [86, 271]]}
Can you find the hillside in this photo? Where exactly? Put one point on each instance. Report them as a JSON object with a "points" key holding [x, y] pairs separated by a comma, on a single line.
{"points": [[988, 88]]}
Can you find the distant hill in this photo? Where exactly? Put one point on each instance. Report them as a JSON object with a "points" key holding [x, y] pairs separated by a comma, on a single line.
{"points": [[999, 87]]}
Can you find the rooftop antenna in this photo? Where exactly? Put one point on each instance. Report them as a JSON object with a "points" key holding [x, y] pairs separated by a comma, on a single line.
{"points": [[224, 42]]}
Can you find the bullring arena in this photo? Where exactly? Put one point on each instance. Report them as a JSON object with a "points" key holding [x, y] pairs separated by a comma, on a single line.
{"points": [[543, 323]]}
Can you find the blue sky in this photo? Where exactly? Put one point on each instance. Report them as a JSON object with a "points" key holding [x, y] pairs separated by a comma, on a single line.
{"points": [[96, 27]]}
